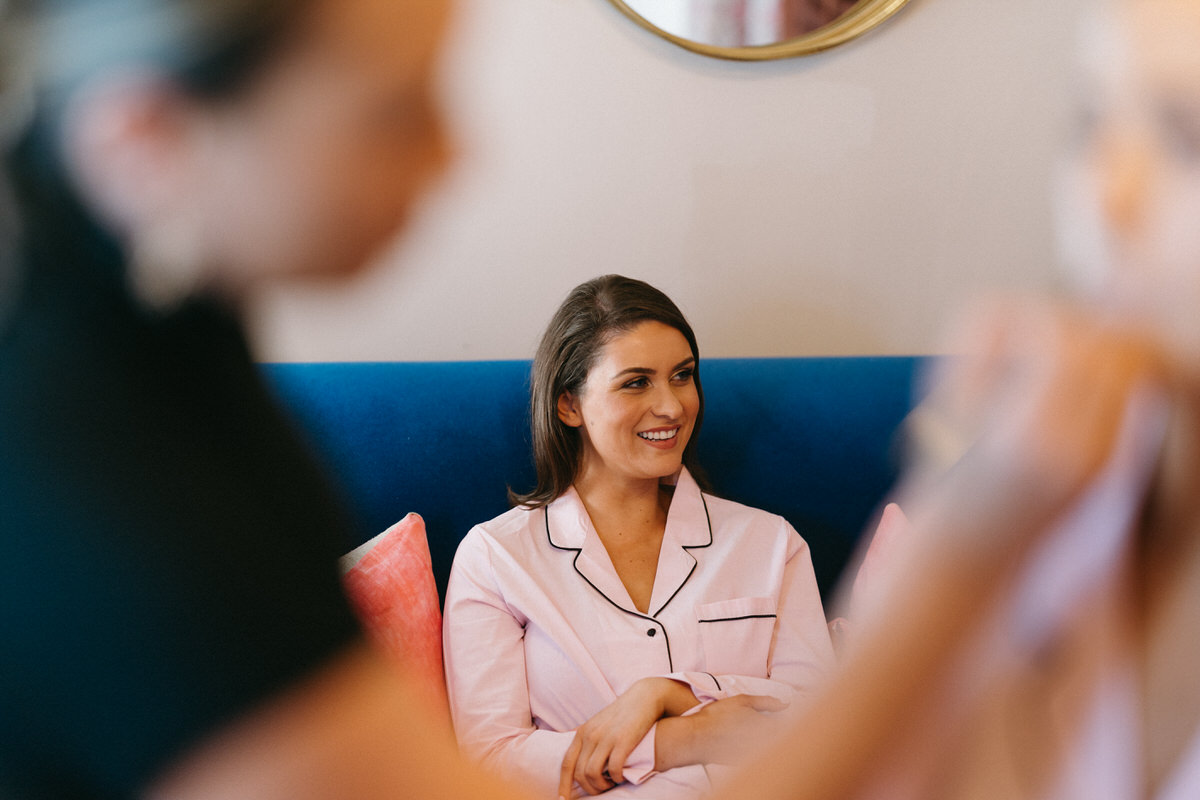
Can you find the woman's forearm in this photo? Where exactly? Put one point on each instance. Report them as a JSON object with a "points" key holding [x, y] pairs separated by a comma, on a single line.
{"points": [[674, 698], [723, 732], [675, 743]]}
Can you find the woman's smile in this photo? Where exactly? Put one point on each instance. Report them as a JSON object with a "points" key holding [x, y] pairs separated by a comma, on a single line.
{"points": [[638, 406], [664, 438]]}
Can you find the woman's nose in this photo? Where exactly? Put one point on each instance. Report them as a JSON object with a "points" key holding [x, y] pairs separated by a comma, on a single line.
{"points": [[667, 403]]}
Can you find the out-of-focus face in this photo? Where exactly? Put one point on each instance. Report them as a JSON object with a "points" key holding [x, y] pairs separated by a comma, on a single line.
{"points": [[1131, 189], [319, 161]]}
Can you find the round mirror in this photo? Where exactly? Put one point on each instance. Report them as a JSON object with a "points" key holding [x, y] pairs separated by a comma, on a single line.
{"points": [[754, 30]]}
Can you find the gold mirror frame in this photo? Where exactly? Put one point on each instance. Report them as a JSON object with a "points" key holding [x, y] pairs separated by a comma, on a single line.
{"points": [[864, 16]]}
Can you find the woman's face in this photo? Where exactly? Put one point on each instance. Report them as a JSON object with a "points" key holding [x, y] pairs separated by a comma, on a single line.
{"points": [[638, 406], [1132, 188], [319, 161]]}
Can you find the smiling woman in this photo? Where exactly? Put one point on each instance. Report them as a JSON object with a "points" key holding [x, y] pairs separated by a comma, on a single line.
{"points": [[585, 628], [592, 315], [635, 421]]}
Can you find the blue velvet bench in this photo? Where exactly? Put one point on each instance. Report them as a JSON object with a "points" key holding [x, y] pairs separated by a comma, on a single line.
{"points": [[811, 439]]}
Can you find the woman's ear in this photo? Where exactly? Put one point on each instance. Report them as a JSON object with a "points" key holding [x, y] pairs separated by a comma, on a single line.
{"points": [[568, 410]]}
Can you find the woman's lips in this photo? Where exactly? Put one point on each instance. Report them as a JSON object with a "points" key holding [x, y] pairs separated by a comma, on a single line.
{"points": [[662, 438]]}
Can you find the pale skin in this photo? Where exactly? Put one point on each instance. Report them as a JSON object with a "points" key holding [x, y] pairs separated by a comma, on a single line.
{"points": [[1140, 159], [1041, 394], [1040, 438], [357, 729], [306, 172], [636, 413], [640, 386]]}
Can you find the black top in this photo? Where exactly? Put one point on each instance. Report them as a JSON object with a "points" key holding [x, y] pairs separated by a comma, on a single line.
{"points": [[168, 546]]}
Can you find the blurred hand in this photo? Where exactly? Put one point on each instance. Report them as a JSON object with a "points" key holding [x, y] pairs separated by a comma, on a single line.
{"points": [[727, 731], [878, 565], [1018, 426]]}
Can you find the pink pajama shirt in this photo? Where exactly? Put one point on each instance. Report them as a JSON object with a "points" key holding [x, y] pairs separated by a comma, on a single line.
{"points": [[540, 633]]}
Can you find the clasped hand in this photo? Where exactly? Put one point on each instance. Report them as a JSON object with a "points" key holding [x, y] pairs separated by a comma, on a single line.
{"points": [[597, 756]]}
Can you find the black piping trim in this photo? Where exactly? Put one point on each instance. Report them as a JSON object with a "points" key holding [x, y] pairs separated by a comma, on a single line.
{"points": [[638, 614], [689, 548], [735, 619], [714, 677], [574, 564], [681, 585]]}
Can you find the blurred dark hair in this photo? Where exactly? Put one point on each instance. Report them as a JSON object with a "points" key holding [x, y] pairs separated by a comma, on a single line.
{"points": [[48, 48], [208, 47], [592, 315], [233, 57]]}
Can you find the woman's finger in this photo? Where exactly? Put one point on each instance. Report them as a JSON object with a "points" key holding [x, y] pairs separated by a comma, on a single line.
{"points": [[616, 763], [592, 771], [566, 776]]}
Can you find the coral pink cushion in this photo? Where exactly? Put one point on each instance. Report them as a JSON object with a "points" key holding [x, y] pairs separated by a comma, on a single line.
{"points": [[394, 593]]}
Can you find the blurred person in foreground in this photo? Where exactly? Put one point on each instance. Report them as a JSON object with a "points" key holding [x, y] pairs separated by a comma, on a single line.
{"points": [[170, 609], [1048, 648]]}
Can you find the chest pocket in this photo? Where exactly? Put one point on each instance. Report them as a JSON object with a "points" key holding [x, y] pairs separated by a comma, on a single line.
{"points": [[736, 635]]}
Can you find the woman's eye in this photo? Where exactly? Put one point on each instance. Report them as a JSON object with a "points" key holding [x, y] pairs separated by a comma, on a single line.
{"points": [[684, 375], [637, 383]]}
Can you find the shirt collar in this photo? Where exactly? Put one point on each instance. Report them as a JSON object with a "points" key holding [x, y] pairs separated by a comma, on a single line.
{"points": [[687, 520]]}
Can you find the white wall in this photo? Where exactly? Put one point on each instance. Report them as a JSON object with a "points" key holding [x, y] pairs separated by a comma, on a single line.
{"points": [[837, 204]]}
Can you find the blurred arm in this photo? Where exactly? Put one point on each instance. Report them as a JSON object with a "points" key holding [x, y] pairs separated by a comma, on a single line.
{"points": [[356, 729]]}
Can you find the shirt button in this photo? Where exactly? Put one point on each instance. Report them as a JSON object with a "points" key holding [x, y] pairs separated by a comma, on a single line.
{"points": [[652, 632]]}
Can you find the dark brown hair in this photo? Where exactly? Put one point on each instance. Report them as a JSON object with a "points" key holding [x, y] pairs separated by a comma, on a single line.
{"points": [[591, 316]]}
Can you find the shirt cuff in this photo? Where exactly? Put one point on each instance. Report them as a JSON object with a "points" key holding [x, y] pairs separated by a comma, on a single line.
{"points": [[640, 765], [708, 687]]}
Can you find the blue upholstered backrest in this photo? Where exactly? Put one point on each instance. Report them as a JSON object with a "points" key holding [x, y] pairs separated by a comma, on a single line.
{"points": [[808, 438]]}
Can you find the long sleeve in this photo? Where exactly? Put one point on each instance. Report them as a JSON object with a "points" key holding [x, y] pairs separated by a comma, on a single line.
{"points": [[486, 677]]}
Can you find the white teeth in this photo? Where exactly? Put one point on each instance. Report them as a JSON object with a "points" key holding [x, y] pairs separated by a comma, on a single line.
{"points": [[659, 436]]}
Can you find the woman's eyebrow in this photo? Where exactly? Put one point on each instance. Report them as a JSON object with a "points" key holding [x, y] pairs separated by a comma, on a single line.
{"points": [[649, 371], [633, 371]]}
